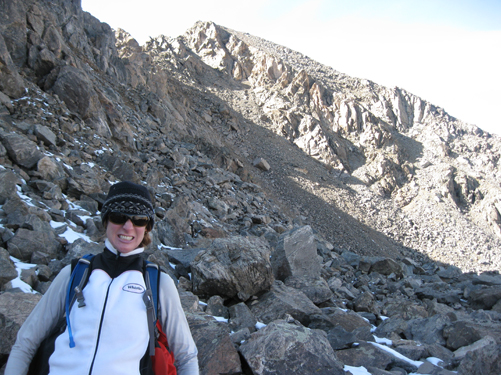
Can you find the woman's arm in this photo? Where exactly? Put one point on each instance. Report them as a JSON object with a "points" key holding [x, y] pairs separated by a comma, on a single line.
{"points": [[38, 325], [175, 326]]}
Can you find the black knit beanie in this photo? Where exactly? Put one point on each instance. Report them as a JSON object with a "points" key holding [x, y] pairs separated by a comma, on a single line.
{"points": [[128, 198]]}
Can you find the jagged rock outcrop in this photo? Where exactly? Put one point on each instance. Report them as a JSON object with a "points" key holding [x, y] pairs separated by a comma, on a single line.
{"points": [[360, 224]]}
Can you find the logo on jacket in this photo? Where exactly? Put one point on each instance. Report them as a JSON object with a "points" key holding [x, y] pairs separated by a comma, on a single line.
{"points": [[134, 288]]}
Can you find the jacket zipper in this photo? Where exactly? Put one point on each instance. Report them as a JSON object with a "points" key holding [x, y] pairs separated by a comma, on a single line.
{"points": [[102, 315]]}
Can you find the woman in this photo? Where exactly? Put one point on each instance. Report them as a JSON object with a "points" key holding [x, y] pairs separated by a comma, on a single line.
{"points": [[110, 333]]}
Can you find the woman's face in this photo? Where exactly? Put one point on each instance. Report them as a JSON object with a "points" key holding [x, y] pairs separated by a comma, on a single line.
{"points": [[125, 237]]}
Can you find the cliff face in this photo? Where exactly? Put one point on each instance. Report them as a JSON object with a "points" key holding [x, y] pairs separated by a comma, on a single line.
{"points": [[421, 177]]}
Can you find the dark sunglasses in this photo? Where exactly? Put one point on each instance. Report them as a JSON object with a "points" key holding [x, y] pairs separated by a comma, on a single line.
{"points": [[120, 219]]}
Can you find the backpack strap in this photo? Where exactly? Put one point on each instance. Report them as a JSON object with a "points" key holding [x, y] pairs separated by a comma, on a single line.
{"points": [[150, 298], [78, 279]]}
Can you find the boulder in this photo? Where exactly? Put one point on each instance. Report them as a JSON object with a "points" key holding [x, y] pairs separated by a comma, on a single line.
{"points": [[45, 135], [79, 248], [22, 150], [25, 242], [11, 82], [296, 254], [74, 87], [282, 300], [216, 353], [8, 185], [482, 362], [477, 345], [241, 318], [377, 355], [233, 267], [261, 164], [315, 288], [387, 266], [486, 297], [14, 309], [7, 269], [440, 291], [49, 169], [283, 348]]}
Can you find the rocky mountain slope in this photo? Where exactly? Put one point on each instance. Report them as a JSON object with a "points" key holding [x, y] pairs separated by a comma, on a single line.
{"points": [[259, 159]]}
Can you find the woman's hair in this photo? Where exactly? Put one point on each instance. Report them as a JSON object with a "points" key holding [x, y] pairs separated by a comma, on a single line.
{"points": [[146, 239]]}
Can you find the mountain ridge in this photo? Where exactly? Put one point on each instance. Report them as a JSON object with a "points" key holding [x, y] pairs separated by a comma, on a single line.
{"points": [[439, 127]]}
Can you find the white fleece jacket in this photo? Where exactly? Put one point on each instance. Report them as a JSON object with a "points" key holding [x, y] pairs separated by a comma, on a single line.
{"points": [[110, 332]]}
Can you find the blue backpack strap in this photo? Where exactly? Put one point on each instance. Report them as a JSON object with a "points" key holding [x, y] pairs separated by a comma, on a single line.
{"points": [[150, 298], [153, 272], [77, 282]]}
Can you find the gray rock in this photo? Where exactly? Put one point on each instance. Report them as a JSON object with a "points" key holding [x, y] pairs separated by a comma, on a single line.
{"points": [[25, 242], [282, 300], [74, 87], [296, 254], [282, 348], [485, 298], [216, 353], [365, 354], [431, 369], [8, 185], [45, 135], [49, 169], [316, 289], [216, 307], [460, 353], [482, 362], [11, 82], [261, 164], [233, 267], [182, 256], [22, 150], [79, 248], [14, 309], [440, 291], [387, 267], [241, 318], [7, 269], [189, 301]]}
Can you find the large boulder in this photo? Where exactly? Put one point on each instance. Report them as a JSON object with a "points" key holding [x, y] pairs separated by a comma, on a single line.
{"points": [[486, 297], [25, 242], [75, 88], [283, 348], [296, 254], [281, 301], [21, 150], [8, 185], [14, 309], [7, 269], [11, 82], [315, 288], [216, 353], [233, 267], [482, 362]]}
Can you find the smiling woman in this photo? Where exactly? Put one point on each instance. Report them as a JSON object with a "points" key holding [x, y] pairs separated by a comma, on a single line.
{"points": [[99, 337]]}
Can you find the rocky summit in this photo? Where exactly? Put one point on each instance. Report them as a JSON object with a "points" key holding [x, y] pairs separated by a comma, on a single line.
{"points": [[315, 223]]}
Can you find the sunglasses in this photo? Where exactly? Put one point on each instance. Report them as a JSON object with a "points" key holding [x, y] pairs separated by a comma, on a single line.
{"points": [[120, 219]]}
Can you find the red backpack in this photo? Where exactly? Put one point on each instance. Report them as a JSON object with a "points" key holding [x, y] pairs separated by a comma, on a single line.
{"points": [[162, 358]]}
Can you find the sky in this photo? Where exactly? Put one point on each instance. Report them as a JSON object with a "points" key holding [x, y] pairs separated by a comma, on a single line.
{"points": [[448, 52]]}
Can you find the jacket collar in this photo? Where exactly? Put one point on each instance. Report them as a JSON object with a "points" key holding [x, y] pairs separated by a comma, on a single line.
{"points": [[110, 247]]}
